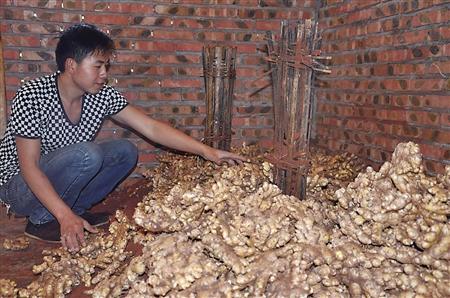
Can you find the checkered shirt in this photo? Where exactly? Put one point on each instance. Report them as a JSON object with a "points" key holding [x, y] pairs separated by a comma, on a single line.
{"points": [[37, 113]]}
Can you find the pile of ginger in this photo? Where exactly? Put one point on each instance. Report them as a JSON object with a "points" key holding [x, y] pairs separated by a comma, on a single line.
{"points": [[213, 231]]}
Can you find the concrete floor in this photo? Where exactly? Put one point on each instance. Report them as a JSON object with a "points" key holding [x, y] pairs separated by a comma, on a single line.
{"points": [[16, 265]]}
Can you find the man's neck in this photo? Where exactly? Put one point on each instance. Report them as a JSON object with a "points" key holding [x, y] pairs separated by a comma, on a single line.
{"points": [[68, 90]]}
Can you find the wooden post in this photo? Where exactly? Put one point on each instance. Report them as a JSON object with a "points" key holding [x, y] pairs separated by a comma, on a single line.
{"points": [[2, 91]]}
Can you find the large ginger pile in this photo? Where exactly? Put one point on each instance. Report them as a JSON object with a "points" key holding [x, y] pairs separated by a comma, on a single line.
{"points": [[213, 231]]}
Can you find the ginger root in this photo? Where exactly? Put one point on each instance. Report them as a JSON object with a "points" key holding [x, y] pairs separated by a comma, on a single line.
{"points": [[18, 243]]}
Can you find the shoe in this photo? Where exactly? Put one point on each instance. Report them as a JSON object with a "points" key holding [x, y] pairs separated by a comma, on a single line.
{"points": [[48, 232], [96, 219]]}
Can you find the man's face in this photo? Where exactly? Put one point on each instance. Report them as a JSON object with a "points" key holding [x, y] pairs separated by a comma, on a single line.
{"points": [[91, 74]]}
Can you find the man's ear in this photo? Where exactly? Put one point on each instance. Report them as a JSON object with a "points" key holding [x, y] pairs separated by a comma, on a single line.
{"points": [[70, 65]]}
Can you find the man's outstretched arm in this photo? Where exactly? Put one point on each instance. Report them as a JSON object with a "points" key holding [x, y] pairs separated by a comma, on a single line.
{"points": [[168, 136]]}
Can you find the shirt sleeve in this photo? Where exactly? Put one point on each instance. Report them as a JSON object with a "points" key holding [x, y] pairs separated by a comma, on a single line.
{"points": [[25, 120], [116, 102]]}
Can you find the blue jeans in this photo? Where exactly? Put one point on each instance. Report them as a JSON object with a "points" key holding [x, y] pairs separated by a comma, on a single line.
{"points": [[82, 174]]}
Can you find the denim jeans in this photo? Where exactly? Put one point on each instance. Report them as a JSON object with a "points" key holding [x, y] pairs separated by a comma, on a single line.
{"points": [[82, 174]]}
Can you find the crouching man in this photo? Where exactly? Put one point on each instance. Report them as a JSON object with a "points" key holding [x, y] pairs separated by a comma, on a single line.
{"points": [[51, 170]]}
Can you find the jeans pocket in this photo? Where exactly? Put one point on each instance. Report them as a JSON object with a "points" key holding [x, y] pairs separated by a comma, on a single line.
{"points": [[16, 194], [4, 198]]}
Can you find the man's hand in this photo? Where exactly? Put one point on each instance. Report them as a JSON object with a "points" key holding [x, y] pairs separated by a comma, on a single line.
{"points": [[220, 156], [72, 232]]}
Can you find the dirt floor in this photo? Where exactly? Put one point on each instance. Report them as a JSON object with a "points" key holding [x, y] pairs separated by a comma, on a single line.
{"points": [[16, 265]]}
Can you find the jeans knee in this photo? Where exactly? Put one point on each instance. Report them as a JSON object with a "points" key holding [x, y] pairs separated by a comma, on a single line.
{"points": [[91, 154], [128, 150]]}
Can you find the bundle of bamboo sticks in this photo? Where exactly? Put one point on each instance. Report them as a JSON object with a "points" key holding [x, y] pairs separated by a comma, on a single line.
{"points": [[219, 74], [292, 62]]}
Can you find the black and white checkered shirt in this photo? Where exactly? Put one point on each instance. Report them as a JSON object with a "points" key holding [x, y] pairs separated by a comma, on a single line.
{"points": [[37, 113]]}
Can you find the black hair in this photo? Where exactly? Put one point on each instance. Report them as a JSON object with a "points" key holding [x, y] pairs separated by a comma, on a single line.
{"points": [[80, 41]]}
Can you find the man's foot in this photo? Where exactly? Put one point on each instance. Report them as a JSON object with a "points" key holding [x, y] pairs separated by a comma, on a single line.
{"points": [[48, 232], [96, 219]]}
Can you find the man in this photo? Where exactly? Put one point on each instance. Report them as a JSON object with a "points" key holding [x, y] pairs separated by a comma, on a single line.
{"points": [[51, 170]]}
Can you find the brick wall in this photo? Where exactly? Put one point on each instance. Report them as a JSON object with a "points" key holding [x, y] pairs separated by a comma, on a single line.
{"points": [[158, 65], [390, 81], [390, 78]]}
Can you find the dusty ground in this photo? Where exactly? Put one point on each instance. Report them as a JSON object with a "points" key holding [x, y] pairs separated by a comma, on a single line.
{"points": [[16, 265]]}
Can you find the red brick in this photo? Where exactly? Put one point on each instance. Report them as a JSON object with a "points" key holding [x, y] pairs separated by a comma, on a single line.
{"points": [[32, 3], [183, 23], [130, 8], [215, 12], [9, 94], [20, 41], [181, 83], [166, 46], [393, 56], [431, 151], [12, 80], [177, 34], [433, 166], [444, 119], [414, 37], [422, 117], [435, 101]]}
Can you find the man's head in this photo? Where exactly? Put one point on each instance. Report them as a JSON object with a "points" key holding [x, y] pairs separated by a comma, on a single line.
{"points": [[80, 41]]}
